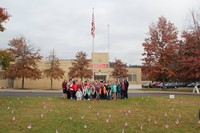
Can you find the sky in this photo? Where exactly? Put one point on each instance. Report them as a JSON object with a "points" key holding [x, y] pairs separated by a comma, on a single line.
{"points": [[65, 25]]}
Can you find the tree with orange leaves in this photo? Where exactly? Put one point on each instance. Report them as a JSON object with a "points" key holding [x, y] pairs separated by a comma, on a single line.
{"points": [[80, 67], [26, 59], [160, 50], [190, 50], [3, 17], [53, 71], [119, 69]]}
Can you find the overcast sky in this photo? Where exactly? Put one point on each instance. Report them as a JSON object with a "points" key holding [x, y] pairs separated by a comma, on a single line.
{"points": [[65, 25]]}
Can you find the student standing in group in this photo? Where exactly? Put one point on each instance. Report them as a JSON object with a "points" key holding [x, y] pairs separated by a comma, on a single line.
{"points": [[71, 90], [114, 90], [75, 88], [126, 88], [119, 89], [123, 90], [85, 92], [64, 89]]}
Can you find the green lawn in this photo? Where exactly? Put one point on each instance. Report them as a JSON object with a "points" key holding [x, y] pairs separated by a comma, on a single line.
{"points": [[137, 114]]}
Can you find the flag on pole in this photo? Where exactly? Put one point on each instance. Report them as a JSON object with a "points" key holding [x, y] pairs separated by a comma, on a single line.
{"points": [[93, 25]]}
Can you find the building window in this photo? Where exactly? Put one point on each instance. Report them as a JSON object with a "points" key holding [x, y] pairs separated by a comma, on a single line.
{"points": [[132, 77]]}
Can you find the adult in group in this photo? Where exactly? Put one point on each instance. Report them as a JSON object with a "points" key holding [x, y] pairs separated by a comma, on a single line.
{"points": [[126, 84], [64, 89]]}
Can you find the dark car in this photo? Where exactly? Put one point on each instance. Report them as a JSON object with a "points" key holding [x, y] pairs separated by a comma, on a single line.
{"points": [[171, 85], [191, 84]]}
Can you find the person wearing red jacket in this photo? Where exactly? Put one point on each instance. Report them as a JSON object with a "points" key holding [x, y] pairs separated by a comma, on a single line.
{"points": [[64, 89], [75, 89]]}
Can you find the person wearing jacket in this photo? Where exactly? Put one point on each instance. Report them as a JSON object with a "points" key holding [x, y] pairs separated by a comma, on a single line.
{"points": [[79, 94]]}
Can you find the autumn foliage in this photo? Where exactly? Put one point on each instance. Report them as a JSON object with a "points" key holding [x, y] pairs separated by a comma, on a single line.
{"points": [[190, 51], [119, 69], [5, 59], [53, 71], [26, 59], [80, 67], [160, 50], [3, 17]]}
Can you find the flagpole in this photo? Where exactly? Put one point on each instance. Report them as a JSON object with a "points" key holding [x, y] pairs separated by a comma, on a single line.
{"points": [[93, 58], [108, 45], [93, 35]]}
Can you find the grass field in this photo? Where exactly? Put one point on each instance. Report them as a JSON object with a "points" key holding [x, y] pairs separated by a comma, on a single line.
{"points": [[137, 114]]}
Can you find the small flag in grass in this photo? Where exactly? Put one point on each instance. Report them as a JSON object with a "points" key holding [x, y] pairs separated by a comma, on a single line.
{"points": [[165, 114], [107, 120], [41, 116], [13, 118], [126, 124], [177, 122], [85, 126], [141, 127], [166, 125], [70, 118], [97, 113], [29, 126]]}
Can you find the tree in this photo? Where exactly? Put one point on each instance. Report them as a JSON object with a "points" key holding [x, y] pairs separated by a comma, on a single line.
{"points": [[3, 17], [160, 50], [120, 70], [190, 50], [26, 59], [53, 72], [5, 59], [80, 67]]}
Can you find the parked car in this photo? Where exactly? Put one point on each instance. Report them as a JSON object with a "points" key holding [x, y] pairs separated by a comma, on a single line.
{"points": [[191, 84], [169, 85]]}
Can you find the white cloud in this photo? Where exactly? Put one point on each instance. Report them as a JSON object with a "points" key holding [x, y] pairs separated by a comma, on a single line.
{"points": [[64, 25]]}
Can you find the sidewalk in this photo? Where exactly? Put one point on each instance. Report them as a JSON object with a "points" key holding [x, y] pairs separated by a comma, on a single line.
{"points": [[31, 90], [60, 91]]}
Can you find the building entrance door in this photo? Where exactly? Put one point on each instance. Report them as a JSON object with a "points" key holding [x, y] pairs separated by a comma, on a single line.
{"points": [[100, 77]]}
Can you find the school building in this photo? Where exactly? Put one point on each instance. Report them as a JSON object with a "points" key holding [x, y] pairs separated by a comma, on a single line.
{"points": [[102, 71]]}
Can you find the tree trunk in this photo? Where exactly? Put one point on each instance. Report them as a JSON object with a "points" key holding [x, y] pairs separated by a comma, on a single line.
{"points": [[51, 83], [163, 81], [22, 82]]}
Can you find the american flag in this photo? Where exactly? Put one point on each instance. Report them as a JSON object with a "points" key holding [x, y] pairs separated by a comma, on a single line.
{"points": [[93, 26]]}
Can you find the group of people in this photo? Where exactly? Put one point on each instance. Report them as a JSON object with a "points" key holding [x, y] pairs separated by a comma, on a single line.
{"points": [[99, 90]]}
